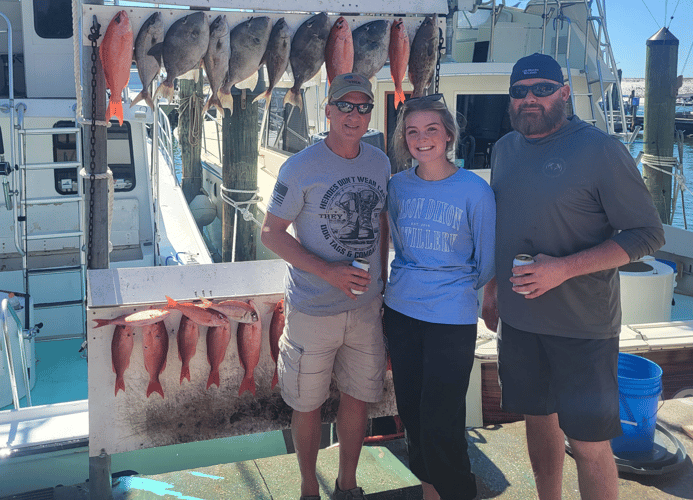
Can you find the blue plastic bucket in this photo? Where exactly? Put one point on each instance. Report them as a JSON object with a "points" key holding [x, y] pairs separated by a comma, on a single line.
{"points": [[639, 387]]}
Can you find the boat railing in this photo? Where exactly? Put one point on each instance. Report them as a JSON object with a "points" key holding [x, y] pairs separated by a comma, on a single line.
{"points": [[7, 313], [165, 137]]}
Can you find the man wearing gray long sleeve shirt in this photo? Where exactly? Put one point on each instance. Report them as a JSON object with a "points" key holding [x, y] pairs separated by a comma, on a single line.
{"points": [[571, 197]]}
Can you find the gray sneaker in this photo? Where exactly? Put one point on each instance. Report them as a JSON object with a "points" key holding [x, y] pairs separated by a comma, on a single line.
{"points": [[311, 497], [352, 494]]}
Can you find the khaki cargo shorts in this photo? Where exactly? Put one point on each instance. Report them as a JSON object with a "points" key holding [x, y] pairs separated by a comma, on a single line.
{"points": [[312, 347]]}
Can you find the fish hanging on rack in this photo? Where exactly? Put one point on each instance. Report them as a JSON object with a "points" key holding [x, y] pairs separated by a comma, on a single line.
{"points": [[399, 57], [199, 314], [275, 331], [249, 340], [248, 43], [115, 52], [423, 56], [307, 54], [235, 310], [155, 346], [148, 56], [218, 338], [121, 349], [339, 51], [371, 42], [276, 57], [184, 46], [216, 60], [139, 318], [187, 337]]}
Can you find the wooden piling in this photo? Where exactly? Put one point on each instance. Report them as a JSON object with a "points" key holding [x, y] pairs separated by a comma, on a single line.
{"points": [[239, 172], [190, 135], [660, 110]]}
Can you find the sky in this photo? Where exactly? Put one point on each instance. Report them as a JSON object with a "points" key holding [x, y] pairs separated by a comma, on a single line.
{"points": [[631, 22]]}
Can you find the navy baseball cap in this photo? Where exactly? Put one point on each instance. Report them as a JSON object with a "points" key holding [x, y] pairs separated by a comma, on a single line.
{"points": [[536, 66]]}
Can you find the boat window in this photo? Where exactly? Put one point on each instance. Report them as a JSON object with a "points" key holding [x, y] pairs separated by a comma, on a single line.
{"points": [[487, 121], [120, 158], [286, 128], [53, 18]]}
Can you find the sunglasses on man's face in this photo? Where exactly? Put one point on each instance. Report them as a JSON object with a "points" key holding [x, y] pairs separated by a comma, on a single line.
{"points": [[347, 107], [541, 89]]}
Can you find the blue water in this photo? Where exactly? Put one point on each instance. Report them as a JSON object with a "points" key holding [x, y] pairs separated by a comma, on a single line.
{"points": [[677, 219]]}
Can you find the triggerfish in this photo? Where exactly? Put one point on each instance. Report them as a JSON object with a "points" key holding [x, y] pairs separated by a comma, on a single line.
{"points": [[307, 54], [371, 43], [121, 348], [275, 331], [116, 58], [276, 57], [218, 338], [188, 335], [249, 338], [155, 345]]}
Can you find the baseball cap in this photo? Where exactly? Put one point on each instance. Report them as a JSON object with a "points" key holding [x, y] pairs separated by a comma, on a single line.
{"points": [[349, 82], [536, 66]]}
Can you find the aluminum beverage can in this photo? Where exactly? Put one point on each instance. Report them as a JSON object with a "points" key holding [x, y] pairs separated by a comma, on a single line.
{"points": [[361, 264], [522, 259]]}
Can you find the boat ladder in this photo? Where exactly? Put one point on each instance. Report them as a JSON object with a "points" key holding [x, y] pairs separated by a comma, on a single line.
{"points": [[596, 33], [42, 276]]}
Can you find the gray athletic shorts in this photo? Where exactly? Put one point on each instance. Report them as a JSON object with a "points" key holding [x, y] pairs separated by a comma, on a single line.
{"points": [[312, 347], [576, 378]]}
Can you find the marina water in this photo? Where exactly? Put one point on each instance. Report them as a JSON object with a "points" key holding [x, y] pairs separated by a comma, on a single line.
{"points": [[677, 219]]}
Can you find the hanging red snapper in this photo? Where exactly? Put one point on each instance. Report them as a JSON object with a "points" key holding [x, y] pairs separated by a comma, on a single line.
{"points": [[121, 348], [249, 339], [399, 57], [339, 51], [198, 314], [275, 331], [218, 338], [155, 346], [139, 318], [116, 58], [235, 310], [188, 335]]}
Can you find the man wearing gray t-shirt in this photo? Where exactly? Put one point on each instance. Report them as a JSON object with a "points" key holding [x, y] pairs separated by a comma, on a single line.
{"points": [[333, 194], [571, 197]]}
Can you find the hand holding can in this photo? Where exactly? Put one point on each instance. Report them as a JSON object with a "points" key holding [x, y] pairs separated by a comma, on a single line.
{"points": [[522, 259], [361, 264]]}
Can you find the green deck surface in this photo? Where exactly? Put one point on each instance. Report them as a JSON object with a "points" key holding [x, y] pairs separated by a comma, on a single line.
{"points": [[380, 474]]}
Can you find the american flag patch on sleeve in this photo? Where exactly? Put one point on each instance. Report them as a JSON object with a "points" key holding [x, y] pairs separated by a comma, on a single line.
{"points": [[279, 192]]}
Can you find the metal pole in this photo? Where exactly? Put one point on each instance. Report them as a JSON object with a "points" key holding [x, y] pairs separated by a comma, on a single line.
{"points": [[8, 354]]}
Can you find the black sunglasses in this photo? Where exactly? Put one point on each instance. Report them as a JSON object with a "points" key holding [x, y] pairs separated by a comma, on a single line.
{"points": [[347, 107], [541, 89]]}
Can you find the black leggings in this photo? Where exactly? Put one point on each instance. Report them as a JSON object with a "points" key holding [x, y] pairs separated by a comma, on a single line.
{"points": [[431, 364]]}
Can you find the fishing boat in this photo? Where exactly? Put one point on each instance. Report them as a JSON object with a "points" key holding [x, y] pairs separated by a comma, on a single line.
{"points": [[46, 221], [51, 433]]}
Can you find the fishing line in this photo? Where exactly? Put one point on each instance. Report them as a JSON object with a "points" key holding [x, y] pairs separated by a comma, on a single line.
{"points": [[648, 10], [672, 14]]}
